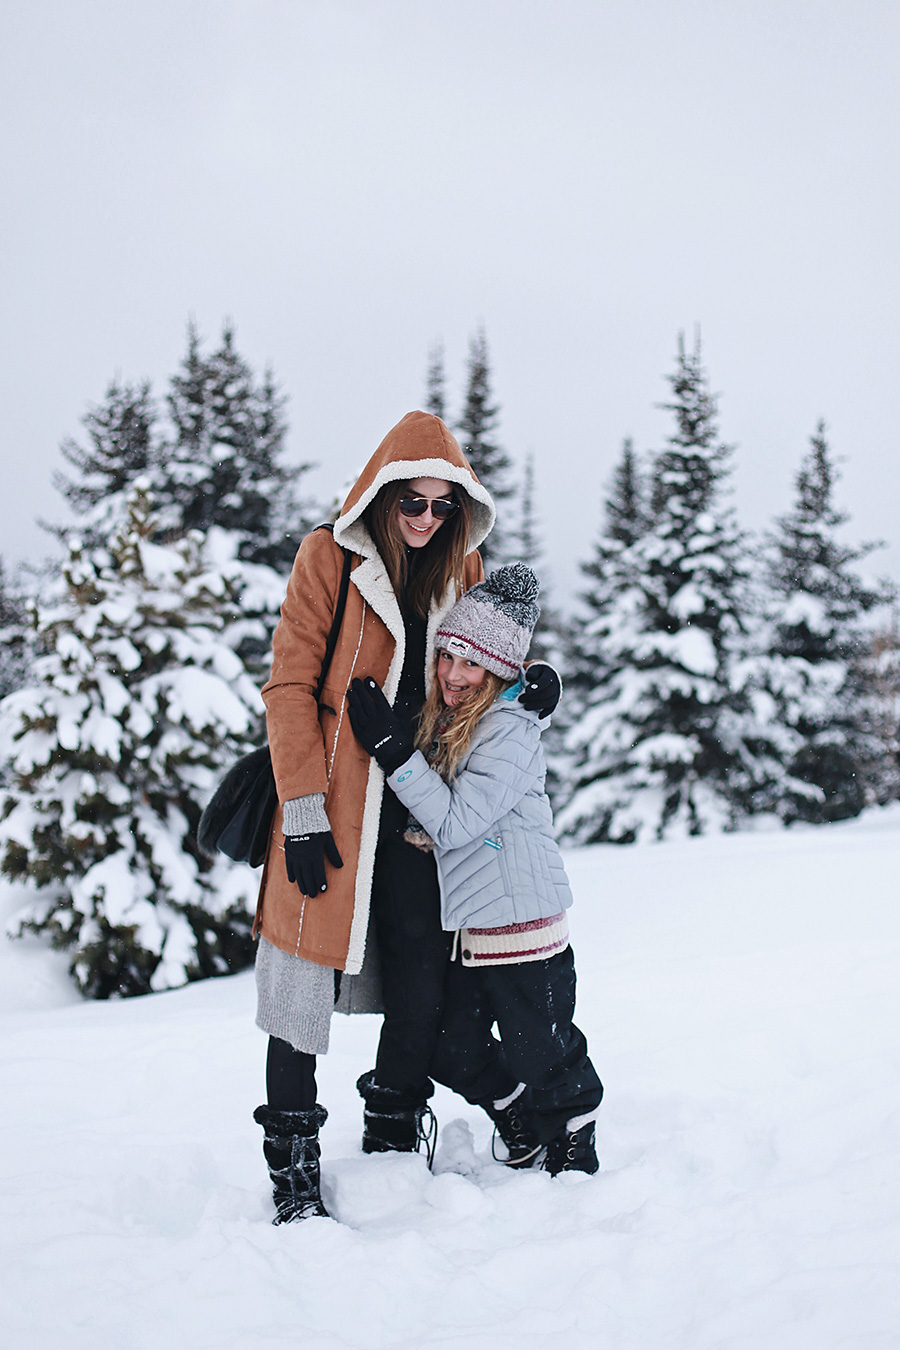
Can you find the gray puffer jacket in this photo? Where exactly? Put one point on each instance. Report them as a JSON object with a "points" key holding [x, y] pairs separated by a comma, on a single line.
{"points": [[492, 827]]}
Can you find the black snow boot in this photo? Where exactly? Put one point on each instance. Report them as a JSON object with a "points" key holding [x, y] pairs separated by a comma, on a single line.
{"points": [[291, 1149], [572, 1151], [514, 1128], [395, 1121]]}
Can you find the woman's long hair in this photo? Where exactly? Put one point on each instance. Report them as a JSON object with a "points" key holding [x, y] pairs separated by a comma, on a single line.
{"points": [[434, 566], [444, 733]]}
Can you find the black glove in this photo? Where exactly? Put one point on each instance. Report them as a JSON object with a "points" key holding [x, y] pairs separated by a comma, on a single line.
{"points": [[542, 690], [377, 727], [304, 858]]}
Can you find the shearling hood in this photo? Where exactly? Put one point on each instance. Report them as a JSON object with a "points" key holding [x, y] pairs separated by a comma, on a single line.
{"points": [[419, 446]]}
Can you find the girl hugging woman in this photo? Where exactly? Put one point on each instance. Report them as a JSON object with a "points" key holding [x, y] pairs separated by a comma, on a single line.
{"points": [[472, 779]]}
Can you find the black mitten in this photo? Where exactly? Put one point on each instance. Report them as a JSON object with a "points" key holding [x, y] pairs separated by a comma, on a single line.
{"points": [[377, 727], [543, 689], [304, 858]]}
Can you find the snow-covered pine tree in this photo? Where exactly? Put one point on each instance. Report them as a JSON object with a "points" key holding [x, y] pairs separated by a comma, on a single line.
{"points": [[550, 639], [136, 705], [184, 482], [122, 443], [14, 635], [435, 383], [598, 660], [223, 471], [817, 663], [882, 668], [668, 742], [290, 516], [477, 431], [611, 572], [568, 753], [528, 541], [223, 464]]}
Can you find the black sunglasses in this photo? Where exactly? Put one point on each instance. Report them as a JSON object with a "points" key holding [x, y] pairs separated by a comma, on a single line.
{"points": [[417, 506]]}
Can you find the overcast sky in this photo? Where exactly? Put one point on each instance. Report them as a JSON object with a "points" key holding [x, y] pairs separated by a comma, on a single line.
{"points": [[351, 181]]}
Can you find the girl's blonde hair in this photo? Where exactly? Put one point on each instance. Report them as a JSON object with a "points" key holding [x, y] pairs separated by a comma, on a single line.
{"points": [[453, 740], [435, 566]]}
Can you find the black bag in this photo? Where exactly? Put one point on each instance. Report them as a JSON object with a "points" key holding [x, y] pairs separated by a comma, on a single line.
{"points": [[237, 820]]}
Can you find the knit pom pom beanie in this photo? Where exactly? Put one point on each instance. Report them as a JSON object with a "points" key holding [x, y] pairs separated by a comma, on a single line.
{"points": [[493, 622]]}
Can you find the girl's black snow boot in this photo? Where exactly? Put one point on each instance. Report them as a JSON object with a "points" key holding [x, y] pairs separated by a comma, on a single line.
{"points": [[515, 1129], [572, 1151], [291, 1150], [396, 1121]]}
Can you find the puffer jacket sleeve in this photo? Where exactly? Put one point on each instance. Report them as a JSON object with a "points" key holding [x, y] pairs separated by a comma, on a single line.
{"points": [[298, 646], [503, 767]]}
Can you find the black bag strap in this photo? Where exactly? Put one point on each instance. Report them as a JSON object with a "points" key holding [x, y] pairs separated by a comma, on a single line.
{"points": [[338, 615]]}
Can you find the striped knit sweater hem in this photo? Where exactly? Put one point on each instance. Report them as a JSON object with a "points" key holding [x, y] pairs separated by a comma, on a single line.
{"points": [[515, 942]]}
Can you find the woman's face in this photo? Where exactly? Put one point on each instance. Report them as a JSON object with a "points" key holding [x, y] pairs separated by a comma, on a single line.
{"points": [[457, 676], [415, 531]]}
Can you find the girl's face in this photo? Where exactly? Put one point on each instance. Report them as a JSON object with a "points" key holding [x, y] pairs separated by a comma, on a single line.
{"points": [[417, 530], [456, 676]]}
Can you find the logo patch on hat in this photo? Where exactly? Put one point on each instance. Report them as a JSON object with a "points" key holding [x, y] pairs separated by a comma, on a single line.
{"points": [[457, 647]]}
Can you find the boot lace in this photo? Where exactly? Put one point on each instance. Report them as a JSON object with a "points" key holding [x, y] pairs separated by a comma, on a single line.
{"points": [[426, 1132], [509, 1131], [425, 1123]]}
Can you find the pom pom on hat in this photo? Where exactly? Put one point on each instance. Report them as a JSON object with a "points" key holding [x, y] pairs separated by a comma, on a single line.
{"points": [[493, 622], [512, 583]]}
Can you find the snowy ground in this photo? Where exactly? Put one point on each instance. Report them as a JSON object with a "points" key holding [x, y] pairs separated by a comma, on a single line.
{"points": [[741, 996]]}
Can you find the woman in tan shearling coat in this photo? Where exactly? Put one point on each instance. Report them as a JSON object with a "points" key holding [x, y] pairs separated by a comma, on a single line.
{"points": [[338, 873]]}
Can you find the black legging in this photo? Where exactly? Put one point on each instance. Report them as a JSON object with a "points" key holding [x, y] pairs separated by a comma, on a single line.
{"points": [[290, 1077], [414, 951]]}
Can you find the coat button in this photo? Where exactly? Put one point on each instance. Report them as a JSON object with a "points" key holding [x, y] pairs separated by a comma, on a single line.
{"points": [[467, 955]]}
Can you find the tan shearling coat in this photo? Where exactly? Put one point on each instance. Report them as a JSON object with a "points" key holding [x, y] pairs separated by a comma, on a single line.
{"points": [[315, 750]]}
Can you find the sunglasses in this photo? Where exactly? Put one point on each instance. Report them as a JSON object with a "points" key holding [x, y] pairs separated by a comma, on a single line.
{"points": [[441, 509]]}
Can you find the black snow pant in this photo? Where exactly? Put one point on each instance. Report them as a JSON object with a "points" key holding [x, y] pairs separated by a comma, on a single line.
{"points": [[414, 953], [533, 1004]]}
